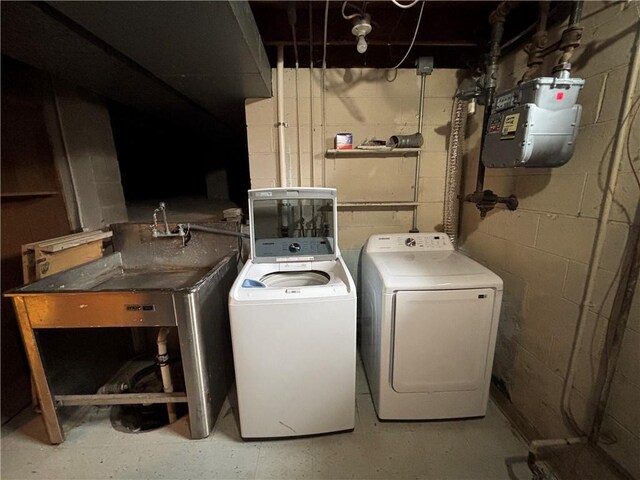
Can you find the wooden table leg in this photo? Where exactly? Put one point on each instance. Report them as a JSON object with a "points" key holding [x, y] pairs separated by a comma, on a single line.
{"points": [[49, 415]]}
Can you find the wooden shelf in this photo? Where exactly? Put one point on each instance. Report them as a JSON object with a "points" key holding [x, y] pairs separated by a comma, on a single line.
{"points": [[394, 152], [27, 194]]}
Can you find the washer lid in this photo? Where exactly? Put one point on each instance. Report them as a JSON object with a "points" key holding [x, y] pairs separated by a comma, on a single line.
{"points": [[293, 224]]}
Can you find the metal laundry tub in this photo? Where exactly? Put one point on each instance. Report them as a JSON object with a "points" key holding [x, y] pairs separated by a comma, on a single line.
{"points": [[146, 282]]}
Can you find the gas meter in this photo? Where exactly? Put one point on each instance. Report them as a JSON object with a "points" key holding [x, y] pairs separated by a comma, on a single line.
{"points": [[534, 124]]}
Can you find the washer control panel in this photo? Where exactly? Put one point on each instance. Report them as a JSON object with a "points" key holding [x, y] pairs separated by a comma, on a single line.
{"points": [[410, 242], [404, 242]]}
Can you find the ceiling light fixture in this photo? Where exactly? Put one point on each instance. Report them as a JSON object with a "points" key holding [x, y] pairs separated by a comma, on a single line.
{"points": [[361, 28]]}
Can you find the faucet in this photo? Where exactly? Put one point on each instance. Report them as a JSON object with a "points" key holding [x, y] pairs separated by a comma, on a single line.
{"points": [[161, 228]]}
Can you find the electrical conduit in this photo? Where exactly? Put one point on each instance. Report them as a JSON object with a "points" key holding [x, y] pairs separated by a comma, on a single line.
{"points": [[416, 188], [323, 93], [454, 170], [282, 162]]}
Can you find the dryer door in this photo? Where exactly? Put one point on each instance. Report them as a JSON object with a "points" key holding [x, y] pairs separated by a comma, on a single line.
{"points": [[441, 340]]}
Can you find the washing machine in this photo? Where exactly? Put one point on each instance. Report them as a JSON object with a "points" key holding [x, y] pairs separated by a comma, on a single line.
{"points": [[293, 318], [429, 318]]}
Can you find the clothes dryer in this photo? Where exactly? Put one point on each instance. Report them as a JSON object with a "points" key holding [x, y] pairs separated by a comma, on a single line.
{"points": [[429, 318]]}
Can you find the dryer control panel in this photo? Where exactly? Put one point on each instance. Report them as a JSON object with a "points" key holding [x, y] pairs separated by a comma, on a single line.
{"points": [[404, 242]]}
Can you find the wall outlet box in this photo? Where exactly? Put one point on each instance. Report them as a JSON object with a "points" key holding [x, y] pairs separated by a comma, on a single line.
{"points": [[424, 65], [344, 141]]}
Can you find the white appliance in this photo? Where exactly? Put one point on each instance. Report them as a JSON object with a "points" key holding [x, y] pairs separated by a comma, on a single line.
{"points": [[429, 318], [293, 318]]}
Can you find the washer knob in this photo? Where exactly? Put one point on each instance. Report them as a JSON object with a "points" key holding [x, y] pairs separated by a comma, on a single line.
{"points": [[294, 247], [410, 242]]}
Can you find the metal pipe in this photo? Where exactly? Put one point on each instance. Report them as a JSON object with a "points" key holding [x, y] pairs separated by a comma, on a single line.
{"points": [[538, 42], [416, 189], [497, 31], [570, 40], [576, 12], [497, 20], [165, 371], [201, 228], [282, 165]]}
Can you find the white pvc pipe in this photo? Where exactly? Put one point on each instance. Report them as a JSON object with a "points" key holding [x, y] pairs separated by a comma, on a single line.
{"points": [[165, 371], [298, 128], [323, 99], [324, 95], [282, 163], [601, 231], [311, 151]]}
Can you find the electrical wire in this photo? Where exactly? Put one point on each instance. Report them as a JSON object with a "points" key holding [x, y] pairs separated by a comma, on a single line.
{"points": [[295, 42], [408, 5], [323, 92], [415, 34], [311, 160], [324, 43], [348, 17], [632, 120], [292, 22]]}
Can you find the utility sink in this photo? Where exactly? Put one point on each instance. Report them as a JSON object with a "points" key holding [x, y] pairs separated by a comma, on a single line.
{"points": [[149, 282]]}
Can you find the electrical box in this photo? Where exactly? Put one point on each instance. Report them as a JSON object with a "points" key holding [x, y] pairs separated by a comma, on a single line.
{"points": [[534, 124], [424, 66]]}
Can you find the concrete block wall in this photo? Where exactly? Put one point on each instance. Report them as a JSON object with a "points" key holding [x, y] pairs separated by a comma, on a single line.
{"points": [[543, 250], [368, 103], [88, 147]]}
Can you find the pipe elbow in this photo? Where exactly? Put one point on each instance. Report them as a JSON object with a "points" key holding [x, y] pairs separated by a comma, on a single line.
{"points": [[163, 333]]}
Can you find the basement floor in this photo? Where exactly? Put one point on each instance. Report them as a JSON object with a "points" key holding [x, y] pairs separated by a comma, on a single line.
{"points": [[485, 448]]}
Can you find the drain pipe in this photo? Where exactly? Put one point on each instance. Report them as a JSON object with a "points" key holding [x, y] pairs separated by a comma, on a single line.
{"points": [[165, 371], [596, 254], [454, 171], [281, 125]]}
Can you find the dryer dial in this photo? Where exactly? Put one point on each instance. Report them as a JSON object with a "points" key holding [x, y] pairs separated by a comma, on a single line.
{"points": [[294, 247], [410, 242]]}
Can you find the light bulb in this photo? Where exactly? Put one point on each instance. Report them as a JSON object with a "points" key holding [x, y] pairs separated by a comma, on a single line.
{"points": [[361, 28], [362, 44]]}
